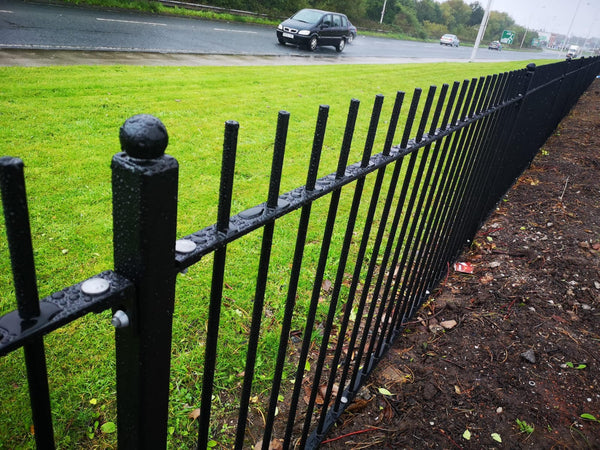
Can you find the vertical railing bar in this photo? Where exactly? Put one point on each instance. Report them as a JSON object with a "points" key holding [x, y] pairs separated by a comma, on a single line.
{"points": [[367, 227], [513, 83], [459, 104], [263, 269], [449, 246], [411, 117], [452, 142], [313, 168], [319, 275], [18, 233], [480, 199], [409, 221], [364, 241], [450, 105], [378, 338], [476, 162], [414, 286], [389, 139], [488, 132], [501, 134], [451, 239], [468, 159], [216, 293], [375, 115], [489, 101], [375, 250], [391, 240], [476, 97], [485, 95], [394, 305], [432, 265], [468, 101]]}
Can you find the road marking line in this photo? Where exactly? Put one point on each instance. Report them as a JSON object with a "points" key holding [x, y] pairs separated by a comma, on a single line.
{"points": [[6, 11], [235, 31], [132, 21]]}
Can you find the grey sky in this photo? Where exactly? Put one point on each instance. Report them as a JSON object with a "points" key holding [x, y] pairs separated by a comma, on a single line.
{"points": [[552, 15]]}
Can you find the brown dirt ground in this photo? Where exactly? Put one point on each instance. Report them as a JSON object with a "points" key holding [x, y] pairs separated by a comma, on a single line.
{"points": [[535, 288]]}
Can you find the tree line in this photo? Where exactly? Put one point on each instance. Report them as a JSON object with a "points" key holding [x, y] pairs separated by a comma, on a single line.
{"points": [[421, 19]]}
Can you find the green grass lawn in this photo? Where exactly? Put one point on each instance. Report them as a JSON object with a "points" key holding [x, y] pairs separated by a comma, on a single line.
{"points": [[64, 123]]}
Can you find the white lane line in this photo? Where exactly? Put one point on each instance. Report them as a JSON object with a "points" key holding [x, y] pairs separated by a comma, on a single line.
{"points": [[235, 31], [154, 24], [5, 11]]}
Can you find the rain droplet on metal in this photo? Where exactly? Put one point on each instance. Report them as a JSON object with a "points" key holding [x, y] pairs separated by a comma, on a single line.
{"points": [[95, 286]]}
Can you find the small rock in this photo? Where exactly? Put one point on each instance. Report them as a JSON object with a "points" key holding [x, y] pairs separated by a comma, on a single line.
{"points": [[584, 244], [529, 356], [448, 324], [597, 285], [499, 410]]}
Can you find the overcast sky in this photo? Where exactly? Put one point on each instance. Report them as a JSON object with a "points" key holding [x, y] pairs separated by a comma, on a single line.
{"points": [[552, 15]]}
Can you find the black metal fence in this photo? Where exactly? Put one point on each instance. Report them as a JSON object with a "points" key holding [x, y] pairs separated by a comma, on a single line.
{"points": [[426, 199]]}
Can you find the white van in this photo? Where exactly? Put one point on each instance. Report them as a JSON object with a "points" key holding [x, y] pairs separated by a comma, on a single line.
{"points": [[574, 52]]}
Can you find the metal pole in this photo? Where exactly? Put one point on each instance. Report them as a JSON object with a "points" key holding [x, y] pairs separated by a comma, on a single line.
{"points": [[383, 11], [482, 27], [144, 182]]}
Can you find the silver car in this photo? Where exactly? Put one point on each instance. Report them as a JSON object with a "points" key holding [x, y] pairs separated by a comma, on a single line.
{"points": [[449, 39]]}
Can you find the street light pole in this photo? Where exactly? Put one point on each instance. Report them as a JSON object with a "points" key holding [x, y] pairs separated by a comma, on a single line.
{"points": [[482, 28], [565, 44], [383, 11]]}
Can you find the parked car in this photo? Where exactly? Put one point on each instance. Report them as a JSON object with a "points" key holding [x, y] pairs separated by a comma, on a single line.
{"points": [[353, 32], [495, 45], [449, 39], [311, 28]]}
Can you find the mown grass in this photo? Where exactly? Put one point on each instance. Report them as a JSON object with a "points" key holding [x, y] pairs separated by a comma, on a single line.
{"points": [[64, 123]]}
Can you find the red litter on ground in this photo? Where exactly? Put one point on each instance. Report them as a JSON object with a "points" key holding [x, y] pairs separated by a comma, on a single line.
{"points": [[463, 267]]}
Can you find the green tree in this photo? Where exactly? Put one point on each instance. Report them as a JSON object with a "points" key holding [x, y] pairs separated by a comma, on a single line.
{"points": [[373, 10], [456, 15], [497, 23], [406, 18], [428, 10], [477, 13], [353, 9]]}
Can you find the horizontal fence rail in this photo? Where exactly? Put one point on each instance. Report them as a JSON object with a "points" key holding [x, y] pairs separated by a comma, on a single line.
{"points": [[409, 211]]}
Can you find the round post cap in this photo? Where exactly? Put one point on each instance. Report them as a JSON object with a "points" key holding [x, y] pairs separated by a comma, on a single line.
{"points": [[144, 136]]}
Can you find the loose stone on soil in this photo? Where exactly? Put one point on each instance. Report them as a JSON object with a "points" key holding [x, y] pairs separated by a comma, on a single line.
{"points": [[529, 356]]}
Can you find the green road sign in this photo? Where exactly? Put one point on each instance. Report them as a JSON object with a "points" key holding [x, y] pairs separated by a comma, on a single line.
{"points": [[507, 37]]}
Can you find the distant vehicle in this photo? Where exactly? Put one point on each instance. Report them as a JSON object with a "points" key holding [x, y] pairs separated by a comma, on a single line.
{"points": [[495, 45], [310, 28], [449, 39], [353, 32], [574, 52]]}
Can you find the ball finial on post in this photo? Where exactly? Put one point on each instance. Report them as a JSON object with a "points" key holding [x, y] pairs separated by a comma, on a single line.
{"points": [[144, 136]]}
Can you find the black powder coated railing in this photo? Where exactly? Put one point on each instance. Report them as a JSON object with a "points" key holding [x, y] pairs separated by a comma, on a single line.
{"points": [[473, 140]]}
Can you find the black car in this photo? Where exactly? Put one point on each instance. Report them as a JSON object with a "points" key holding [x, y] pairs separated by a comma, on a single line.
{"points": [[310, 28], [353, 32]]}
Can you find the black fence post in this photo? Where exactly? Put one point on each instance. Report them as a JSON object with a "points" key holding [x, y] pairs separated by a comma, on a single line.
{"points": [[144, 182]]}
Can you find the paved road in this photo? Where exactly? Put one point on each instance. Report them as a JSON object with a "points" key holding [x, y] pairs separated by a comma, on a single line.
{"points": [[28, 30]]}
